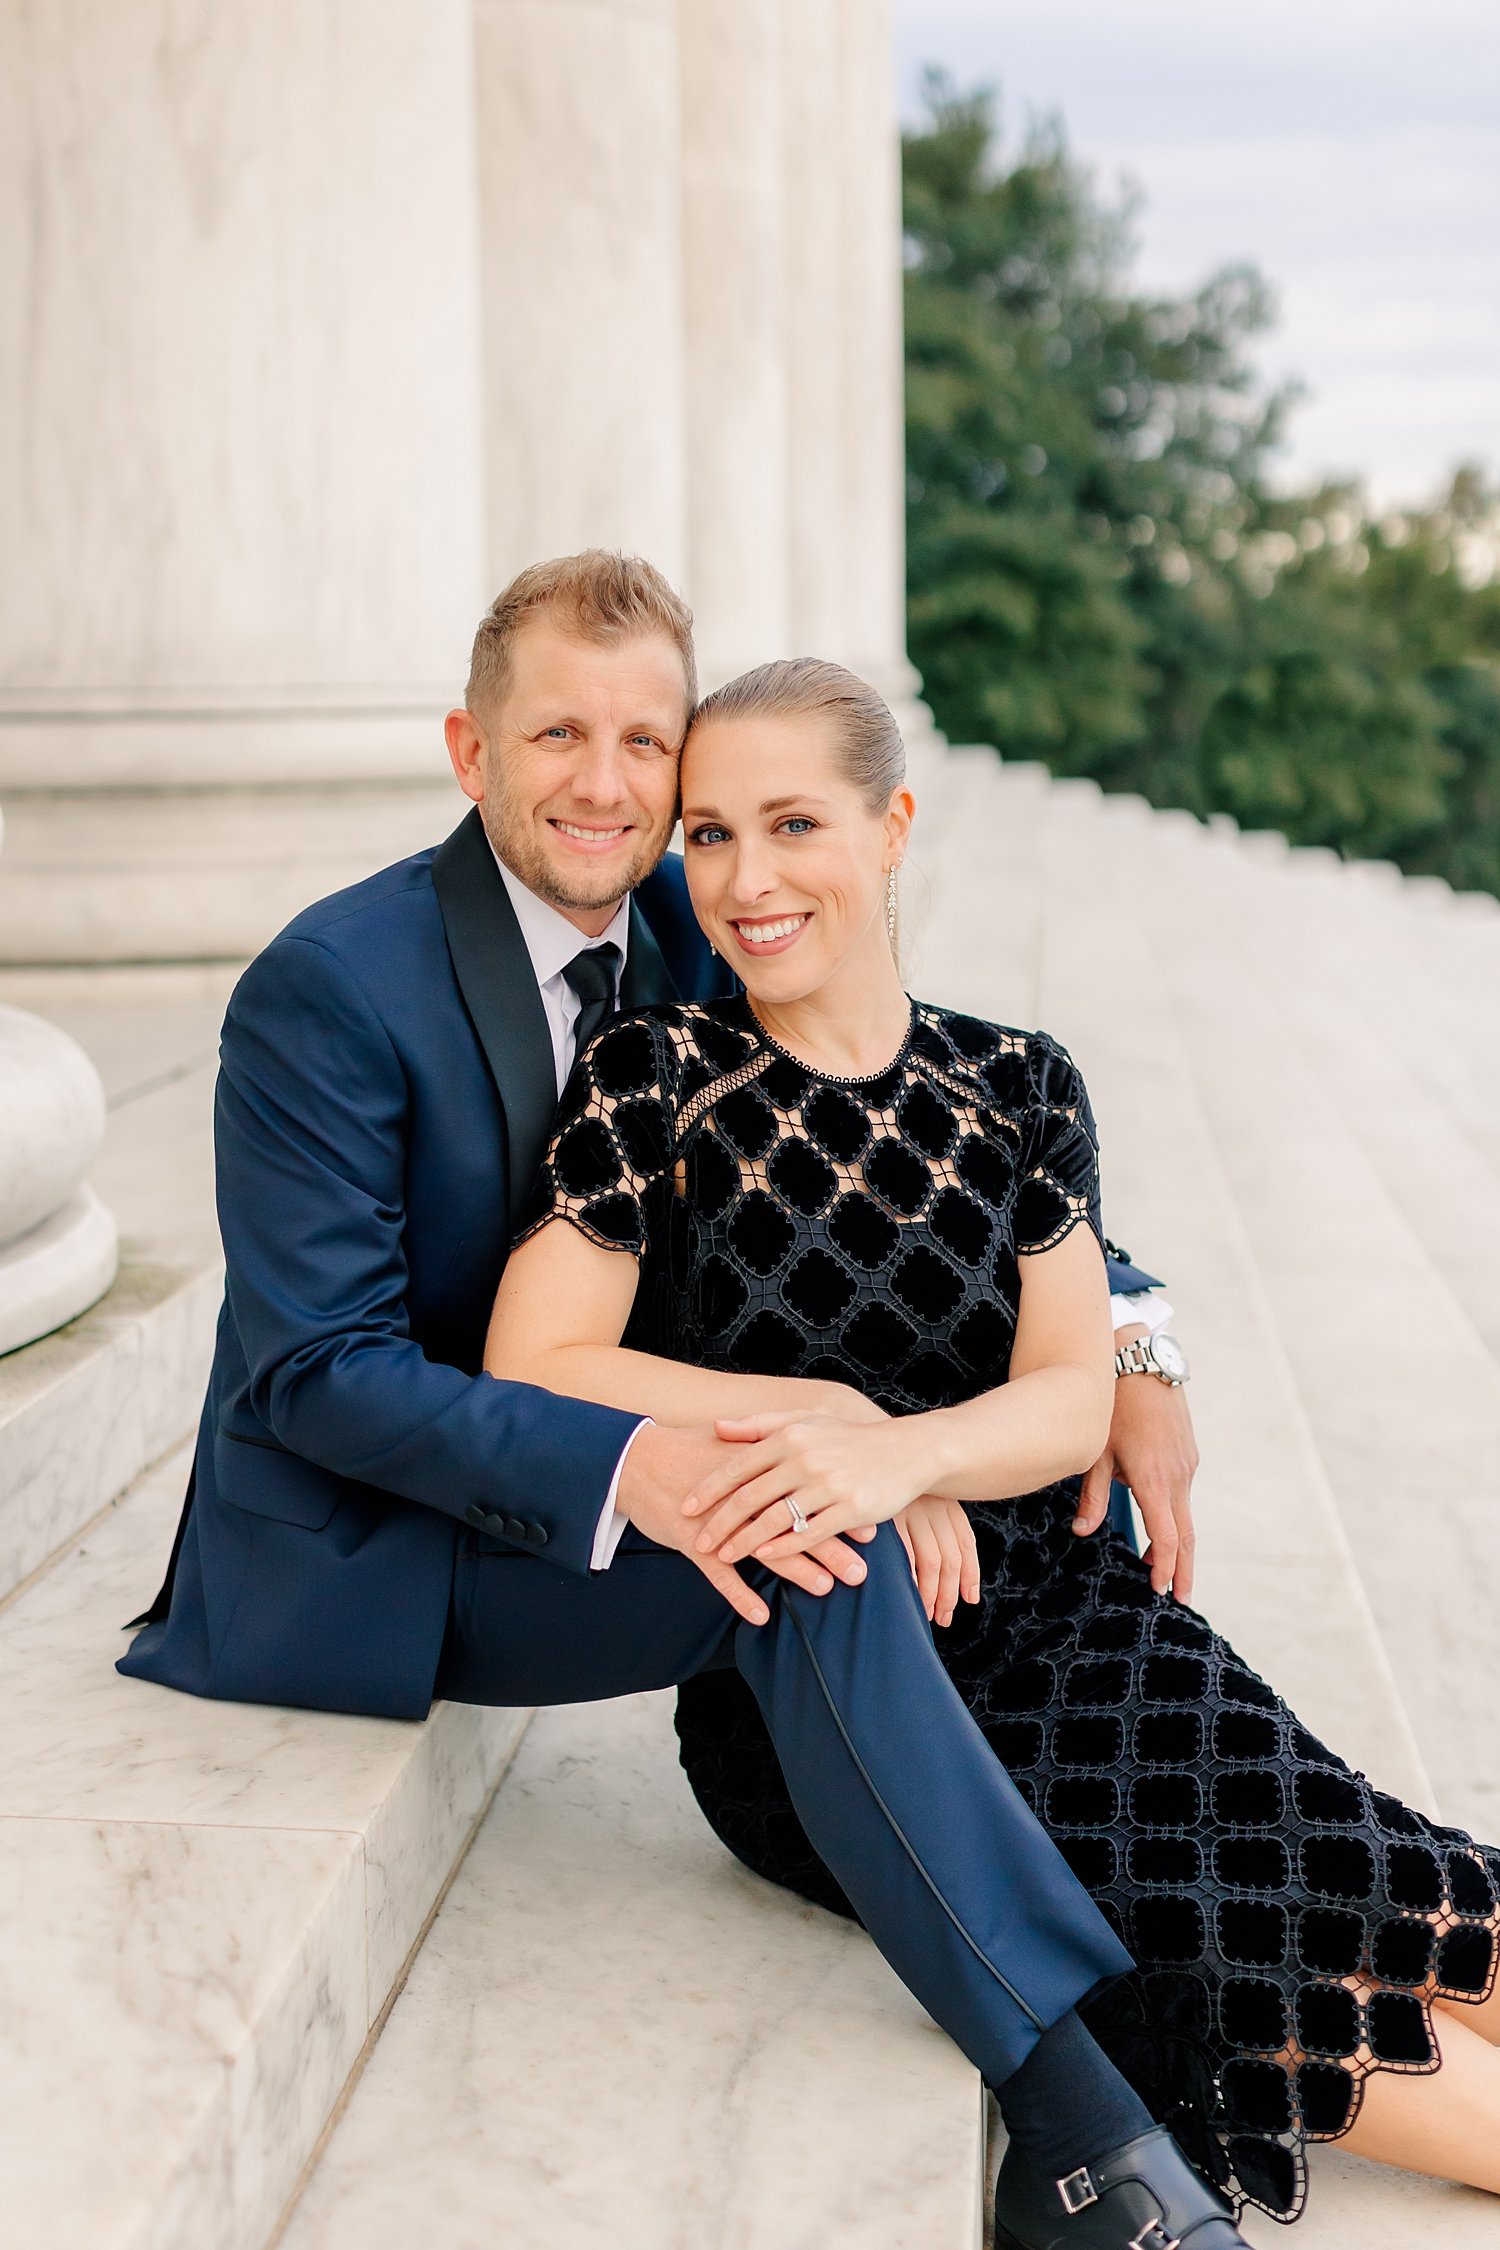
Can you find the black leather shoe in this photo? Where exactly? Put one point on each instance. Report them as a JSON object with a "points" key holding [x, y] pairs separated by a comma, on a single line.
{"points": [[1144, 2196]]}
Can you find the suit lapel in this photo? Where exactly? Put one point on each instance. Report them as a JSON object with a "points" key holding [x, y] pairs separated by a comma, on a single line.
{"points": [[499, 987], [646, 977]]}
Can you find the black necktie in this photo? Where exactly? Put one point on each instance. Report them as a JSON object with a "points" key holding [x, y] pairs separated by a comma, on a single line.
{"points": [[592, 975]]}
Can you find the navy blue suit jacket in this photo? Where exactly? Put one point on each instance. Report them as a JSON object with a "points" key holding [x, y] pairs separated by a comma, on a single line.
{"points": [[385, 1092]]}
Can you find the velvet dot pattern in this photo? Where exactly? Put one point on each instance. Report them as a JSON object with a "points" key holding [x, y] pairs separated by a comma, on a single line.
{"points": [[1291, 1924]]}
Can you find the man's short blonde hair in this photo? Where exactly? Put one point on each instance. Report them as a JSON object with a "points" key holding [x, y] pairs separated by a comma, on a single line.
{"points": [[597, 596]]}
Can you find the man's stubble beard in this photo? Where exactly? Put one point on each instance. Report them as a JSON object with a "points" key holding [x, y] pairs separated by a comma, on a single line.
{"points": [[513, 836]]}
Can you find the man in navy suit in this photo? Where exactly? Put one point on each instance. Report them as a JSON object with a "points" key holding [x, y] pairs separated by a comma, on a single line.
{"points": [[373, 1519]]}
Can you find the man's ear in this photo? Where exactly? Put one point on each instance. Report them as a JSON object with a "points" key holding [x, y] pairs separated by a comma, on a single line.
{"points": [[465, 740]]}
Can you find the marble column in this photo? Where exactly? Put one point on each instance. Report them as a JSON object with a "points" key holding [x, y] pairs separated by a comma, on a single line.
{"points": [[813, 250], [581, 279], [872, 426], [239, 457], [58, 1252], [734, 248]]}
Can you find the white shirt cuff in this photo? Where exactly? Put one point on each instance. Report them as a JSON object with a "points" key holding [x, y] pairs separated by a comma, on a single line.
{"points": [[611, 1526], [1142, 1307]]}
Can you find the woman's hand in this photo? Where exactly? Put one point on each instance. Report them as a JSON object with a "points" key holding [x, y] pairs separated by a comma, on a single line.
{"points": [[843, 1477], [939, 1541]]}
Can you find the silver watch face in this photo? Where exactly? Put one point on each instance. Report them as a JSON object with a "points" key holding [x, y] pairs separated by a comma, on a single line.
{"points": [[1169, 1356]]}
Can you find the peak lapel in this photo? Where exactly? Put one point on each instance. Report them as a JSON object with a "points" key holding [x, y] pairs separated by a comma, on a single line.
{"points": [[499, 988]]}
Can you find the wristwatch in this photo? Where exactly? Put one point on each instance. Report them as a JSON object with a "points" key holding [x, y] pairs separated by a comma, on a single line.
{"points": [[1160, 1355]]}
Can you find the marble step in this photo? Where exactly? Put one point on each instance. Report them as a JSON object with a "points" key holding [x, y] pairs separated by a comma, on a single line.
{"points": [[207, 1908], [85, 1410], [1306, 944], [1427, 974], [1276, 1572], [613, 2033], [1340, 1268], [1180, 1050], [1399, 1387]]}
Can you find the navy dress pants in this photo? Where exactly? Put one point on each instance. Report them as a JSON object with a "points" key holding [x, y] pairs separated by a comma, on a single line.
{"points": [[954, 1878]]}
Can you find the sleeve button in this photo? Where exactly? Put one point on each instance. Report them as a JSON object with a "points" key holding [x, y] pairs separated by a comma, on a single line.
{"points": [[536, 1535]]}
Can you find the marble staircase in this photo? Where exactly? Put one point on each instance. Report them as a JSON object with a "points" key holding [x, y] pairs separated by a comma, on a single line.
{"points": [[255, 1985]]}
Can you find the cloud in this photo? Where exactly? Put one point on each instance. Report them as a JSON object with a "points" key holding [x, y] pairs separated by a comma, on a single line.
{"points": [[1352, 151]]}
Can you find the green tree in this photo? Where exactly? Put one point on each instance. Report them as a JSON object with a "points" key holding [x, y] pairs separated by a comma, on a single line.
{"points": [[1100, 572]]}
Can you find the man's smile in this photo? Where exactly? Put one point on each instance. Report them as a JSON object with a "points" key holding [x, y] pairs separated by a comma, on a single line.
{"points": [[590, 838]]}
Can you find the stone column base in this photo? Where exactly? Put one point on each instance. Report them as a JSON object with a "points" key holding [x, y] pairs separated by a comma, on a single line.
{"points": [[54, 1273], [136, 875]]}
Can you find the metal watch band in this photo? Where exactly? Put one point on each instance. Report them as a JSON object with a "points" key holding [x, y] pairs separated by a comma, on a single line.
{"points": [[1137, 1358]]}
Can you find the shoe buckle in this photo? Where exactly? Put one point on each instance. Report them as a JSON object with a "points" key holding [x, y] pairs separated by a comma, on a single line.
{"points": [[1154, 2236], [1077, 2191]]}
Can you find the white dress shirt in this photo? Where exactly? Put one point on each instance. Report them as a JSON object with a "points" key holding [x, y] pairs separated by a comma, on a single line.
{"points": [[552, 942]]}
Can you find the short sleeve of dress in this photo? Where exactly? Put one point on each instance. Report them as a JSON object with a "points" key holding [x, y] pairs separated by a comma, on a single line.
{"points": [[1060, 1153], [610, 1157]]}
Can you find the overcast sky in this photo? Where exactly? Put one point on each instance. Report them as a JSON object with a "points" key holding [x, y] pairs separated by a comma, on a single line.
{"points": [[1351, 150]]}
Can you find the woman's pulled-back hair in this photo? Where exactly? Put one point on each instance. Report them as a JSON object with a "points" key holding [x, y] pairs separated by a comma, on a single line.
{"points": [[867, 740]]}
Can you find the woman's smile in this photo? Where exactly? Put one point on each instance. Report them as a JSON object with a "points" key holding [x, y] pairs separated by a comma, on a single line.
{"points": [[763, 934]]}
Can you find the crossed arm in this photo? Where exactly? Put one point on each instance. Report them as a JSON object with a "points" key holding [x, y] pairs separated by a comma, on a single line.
{"points": [[562, 1309]]}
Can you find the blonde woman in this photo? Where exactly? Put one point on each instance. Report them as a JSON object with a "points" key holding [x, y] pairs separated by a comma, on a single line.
{"points": [[862, 1235]]}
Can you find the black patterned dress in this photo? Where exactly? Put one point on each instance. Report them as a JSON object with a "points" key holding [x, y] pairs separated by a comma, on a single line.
{"points": [[1291, 1923]]}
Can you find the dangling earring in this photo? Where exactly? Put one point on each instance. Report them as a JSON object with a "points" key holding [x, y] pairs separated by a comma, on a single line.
{"points": [[890, 906]]}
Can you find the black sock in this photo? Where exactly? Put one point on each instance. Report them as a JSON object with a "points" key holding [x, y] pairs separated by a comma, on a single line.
{"points": [[1067, 2105]]}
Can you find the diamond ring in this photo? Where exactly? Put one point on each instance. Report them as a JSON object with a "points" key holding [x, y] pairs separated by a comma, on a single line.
{"points": [[799, 1520]]}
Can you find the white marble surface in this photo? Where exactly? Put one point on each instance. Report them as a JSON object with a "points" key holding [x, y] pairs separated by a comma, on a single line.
{"points": [[82, 1412], [734, 224], [242, 408], [1399, 1389], [207, 1905], [1020, 930], [583, 441], [614, 2033], [51, 1120], [54, 1273], [1353, 2205], [201, 875], [81, 1743], [183, 2004]]}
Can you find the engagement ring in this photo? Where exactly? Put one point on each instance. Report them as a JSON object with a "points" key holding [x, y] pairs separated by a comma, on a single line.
{"points": [[799, 1520]]}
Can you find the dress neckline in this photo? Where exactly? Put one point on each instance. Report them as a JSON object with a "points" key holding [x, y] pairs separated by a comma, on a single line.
{"points": [[829, 1077]]}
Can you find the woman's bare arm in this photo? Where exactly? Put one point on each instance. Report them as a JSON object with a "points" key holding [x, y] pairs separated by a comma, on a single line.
{"points": [[561, 1310], [1049, 1420]]}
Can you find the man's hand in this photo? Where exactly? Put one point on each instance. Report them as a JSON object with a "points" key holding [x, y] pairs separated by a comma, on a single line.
{"points": [[1152, 1449], [662, 1468], [944, 1556]]}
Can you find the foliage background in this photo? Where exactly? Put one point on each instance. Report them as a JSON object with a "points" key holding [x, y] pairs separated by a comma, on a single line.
{"points": [[1100, 571]]}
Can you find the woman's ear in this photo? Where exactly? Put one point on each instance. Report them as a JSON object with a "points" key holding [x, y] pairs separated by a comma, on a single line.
{"points": [[899, 815]]}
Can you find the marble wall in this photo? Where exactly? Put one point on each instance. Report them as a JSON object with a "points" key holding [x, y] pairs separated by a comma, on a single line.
{"points": [[330, 314]]}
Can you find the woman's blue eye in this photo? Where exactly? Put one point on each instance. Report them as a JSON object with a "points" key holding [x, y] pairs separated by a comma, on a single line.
{"points": [[708, 835], [798, 825]]}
